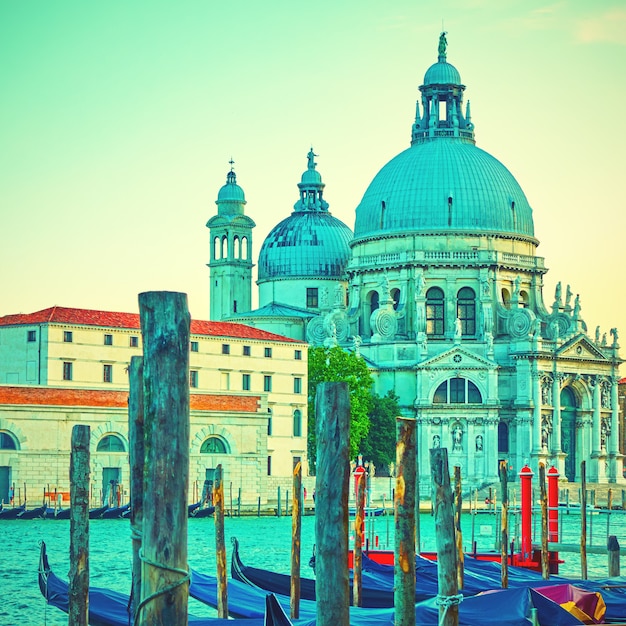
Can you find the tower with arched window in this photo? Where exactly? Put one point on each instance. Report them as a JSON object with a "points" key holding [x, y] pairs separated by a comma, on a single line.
{"points": [[230, 267]]}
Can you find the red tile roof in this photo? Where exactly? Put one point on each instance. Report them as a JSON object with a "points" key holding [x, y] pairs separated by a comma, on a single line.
{"points": [[112, 319], [50, 396]]}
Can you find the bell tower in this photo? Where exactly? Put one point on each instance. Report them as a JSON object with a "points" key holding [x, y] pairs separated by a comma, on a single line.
{"points": [[230, 267]]}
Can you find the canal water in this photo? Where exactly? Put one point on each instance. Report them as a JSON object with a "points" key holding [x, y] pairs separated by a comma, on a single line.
{"points": [[264, 542]]}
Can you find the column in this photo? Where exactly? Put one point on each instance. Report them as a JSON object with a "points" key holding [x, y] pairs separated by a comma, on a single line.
{"points": [[536, 396], [595, 429], [556, 415], [617, 459]]}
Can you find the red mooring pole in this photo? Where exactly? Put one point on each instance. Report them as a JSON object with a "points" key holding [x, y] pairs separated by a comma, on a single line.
{"points": [[526, 495], [553, 516]]}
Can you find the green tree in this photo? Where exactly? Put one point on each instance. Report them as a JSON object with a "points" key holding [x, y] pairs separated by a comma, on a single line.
{"points": [[337, 365], [379, 446]]}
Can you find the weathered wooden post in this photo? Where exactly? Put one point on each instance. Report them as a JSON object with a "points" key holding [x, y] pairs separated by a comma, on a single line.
{"points": [[220, 545], [504, 544], [79, 527], [583, 520], [404, 506], [359, 533], [296, 533], [545, 563], [332, 415], [164, 577], [458, 510], [448, 597], [137, 460], [613, 552]]}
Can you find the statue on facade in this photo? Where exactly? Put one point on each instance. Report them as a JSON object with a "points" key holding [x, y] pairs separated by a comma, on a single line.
{"points": [[614, 334], [557, 294], [485, 287], [516, 287], [546, 429], [356, 342], [605, 396], [603, 342], [436, 441], [457, 439], [597, 334], [420, 285], [338, 295], [386, 290], [576, 307], [546, 388], [568, 296], [479, 443], [458, 328], [324, 298]]}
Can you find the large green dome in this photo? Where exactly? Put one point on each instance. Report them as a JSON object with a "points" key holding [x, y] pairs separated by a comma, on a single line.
{"points": [[444, 185]]}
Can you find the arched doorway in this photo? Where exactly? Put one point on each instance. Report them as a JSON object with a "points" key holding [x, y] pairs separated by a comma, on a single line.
{"points": [[568, 431]]}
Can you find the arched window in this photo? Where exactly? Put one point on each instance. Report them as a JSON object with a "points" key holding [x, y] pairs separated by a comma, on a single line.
{"points": [[224, 252], [457, 391], [523, 299], [110, 443], [236, 247], [213, 445], [244, 248], [374, 301], [434, 312], [395, 295], [297, 423], [216, 248], [503, 437], [506, 298], [7, 442], [466, 310]]}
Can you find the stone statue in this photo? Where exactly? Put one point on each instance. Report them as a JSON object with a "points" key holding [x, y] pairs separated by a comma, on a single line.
{"points": [[479, 443], [443, 44], [420, 285], [516, 287], [597, 334], [577, 307], [557, 293], [613, 332], [568, 296], [457, 439], [338, 295], [384, 283], [458, 328], [485, 285], [356, 342], [311, 157], [436, 441], [603, 343]]}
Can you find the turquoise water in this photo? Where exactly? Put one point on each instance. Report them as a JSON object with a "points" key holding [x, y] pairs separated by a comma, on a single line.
{"points": [[264, 542]]}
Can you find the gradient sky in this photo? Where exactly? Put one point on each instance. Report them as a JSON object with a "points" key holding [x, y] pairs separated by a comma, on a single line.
{"points": [[118, 119]]}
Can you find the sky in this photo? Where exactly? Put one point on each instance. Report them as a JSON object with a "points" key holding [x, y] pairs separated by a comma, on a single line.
{"points": [[118, 120]]}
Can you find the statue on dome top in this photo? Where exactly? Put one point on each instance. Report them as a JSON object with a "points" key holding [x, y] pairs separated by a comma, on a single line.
{"points": [[443, 44], [311, 157]]}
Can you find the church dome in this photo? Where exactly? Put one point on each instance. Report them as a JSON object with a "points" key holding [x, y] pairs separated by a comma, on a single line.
{"points": [[310, 242], [446, 185], [443, 183]]}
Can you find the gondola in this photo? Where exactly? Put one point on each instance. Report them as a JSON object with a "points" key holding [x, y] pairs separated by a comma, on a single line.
{"points": [[110, 608], [63, 513], [11, 513], [97, 512], [206, 512], [115, 512], [40, 511]]}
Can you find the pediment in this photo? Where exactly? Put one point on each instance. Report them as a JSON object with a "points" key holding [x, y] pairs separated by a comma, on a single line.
{"points": [[456, 358], [580, 347]]}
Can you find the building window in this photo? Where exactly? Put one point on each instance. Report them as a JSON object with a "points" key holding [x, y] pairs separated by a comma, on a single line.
{"points": [[269, 465], [133, 341], [267, 383], [193, 346], [7, 442], [67, 370], [110, 443], [225, 348], [31, 335], [297, 423], [269, 422], [246, 351], [245, 382], [311, 298], [297, 385], [503, 437], [213, 445], [107, 373], [434, 312], [297, 355], [457, 391], [268, 353], [193, 378], [466, 310], [108, 340], [68, 336], [296, 460], [234, 306], [395, 296]]}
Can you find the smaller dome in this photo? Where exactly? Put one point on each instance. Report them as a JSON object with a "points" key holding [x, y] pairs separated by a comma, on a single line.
{"points": [[311, 177], [442, 73], [231, 191]]}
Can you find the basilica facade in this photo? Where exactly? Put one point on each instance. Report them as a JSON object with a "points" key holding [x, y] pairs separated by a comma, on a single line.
{"points": [[440, 289]]}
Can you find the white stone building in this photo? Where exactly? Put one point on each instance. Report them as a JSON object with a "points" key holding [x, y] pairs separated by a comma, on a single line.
{"points": [[60, 367], [441, 290]]}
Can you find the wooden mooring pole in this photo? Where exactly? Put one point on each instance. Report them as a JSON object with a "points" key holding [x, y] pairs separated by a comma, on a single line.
{"points": [[458, 534], [504, 539], [296, 534], [613, 552], [137, 460], [359, 536], [583, 520], [404, 506], [79, 527], [444, 531], [165, 325], [332, 415], [220, 545]]}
